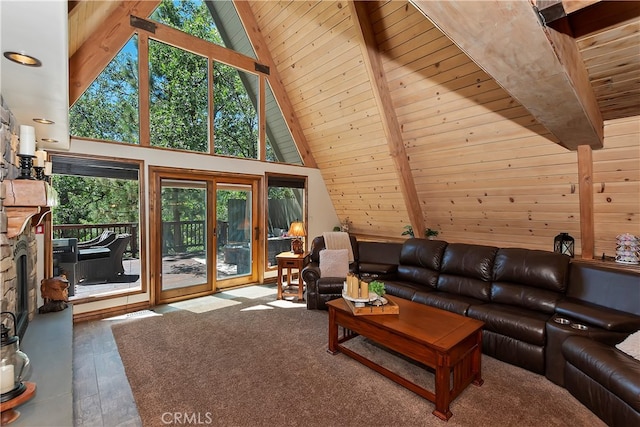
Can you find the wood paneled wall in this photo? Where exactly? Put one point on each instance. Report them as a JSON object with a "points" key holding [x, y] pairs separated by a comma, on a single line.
{"points": [[486, 172], [320, 61], [616, 182]]}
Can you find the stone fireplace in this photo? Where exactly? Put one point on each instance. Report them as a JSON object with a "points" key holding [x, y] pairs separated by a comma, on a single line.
{"points": [[18, 247], [19, 278]]}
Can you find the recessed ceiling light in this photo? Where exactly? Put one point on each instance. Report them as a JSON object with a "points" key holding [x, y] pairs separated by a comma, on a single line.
{"points": [[49, 140], [22, 58], [44, 121]]}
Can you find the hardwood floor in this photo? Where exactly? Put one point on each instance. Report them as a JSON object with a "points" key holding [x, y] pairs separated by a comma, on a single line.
{"points": [[101, 392]]}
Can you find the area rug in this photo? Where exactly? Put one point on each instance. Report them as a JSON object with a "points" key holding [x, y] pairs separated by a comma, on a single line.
{"points": [[237, 366]]}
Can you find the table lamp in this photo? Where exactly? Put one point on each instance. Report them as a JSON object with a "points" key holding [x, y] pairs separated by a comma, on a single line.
{"points": [[297, 230]]}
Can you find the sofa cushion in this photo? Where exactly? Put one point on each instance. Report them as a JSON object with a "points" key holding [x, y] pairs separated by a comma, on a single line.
{"points": [[377, 269], [404, 290], [606, 365], [524, 296], [422, 253], [515, 322], [420, 261], [445, 301], [334, 263], [466, 270], [475, 261], [539, 269]]}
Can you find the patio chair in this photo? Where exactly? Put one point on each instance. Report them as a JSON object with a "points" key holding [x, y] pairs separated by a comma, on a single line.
{"points": [[103, 239], [102, 263]]}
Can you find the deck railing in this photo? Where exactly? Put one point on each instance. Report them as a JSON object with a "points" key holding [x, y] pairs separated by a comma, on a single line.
{"points": [[178, 236], [84, 232]]}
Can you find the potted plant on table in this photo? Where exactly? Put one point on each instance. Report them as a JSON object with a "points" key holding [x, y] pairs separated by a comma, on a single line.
{"points": [[377, 287]]}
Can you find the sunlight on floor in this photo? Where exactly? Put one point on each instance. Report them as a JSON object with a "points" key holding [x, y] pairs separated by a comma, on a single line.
{"points": [[135, 315], [203, 304]]}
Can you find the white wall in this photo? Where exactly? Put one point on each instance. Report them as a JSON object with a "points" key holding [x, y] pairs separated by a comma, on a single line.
{"points": [[321, 214]]}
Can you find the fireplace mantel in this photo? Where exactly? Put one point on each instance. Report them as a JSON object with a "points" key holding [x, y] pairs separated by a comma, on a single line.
{"points": [[26, 200]]}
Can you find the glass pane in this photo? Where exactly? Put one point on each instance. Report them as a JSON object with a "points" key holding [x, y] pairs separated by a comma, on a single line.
{"points": [[280, 144], [285, 207], [235, 117], [177, 98], [192, 17], [99, 217], [235, 233], [108, 110], [184, 243]]}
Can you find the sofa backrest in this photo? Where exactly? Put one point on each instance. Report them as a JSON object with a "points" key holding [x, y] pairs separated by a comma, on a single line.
{"points": [[601, 285], [420, 261], [379, 252], [467, 270], [531, 279], [317, 244]]}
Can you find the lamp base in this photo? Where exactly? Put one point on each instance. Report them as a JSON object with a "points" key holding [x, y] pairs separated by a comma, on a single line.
{"points": [[296, 246], [9, 414]]}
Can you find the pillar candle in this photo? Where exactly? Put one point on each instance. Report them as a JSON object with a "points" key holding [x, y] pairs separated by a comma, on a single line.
{"points": [[41, 157], [7, 379], [27, 140], [48, 166], [364, 290]]}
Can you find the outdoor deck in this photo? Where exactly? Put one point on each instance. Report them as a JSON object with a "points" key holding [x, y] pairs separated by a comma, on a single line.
{"points": [[177, 271]]}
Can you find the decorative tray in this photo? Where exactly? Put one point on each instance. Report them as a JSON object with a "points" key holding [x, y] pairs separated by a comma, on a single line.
{"points": [[367, 308]]}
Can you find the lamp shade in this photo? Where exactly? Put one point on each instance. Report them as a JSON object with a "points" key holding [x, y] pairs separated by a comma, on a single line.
{"points": [[297, 229]]}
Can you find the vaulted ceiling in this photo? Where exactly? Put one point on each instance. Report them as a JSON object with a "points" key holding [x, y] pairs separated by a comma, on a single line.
{"points": [[426, 112]]}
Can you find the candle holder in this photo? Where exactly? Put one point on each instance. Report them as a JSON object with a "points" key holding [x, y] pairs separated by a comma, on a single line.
{"points": [[26, 163], [39, 173]]}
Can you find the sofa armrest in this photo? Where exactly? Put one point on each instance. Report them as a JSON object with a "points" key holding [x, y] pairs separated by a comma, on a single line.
{"points": [[311, 273], [596, 315]]}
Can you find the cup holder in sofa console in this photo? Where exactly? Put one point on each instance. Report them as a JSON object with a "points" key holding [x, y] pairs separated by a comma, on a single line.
{"points": [[561, 320], [579, 326]]}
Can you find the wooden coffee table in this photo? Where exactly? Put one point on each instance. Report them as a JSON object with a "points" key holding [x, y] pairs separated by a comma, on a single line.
{"points": [[444, 341]]}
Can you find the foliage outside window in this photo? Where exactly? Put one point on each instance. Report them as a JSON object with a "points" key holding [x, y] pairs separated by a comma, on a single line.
{"points": [[86, 200], [192, 17], [235, 119], [178, 94], [178, 98], [108, 110]]}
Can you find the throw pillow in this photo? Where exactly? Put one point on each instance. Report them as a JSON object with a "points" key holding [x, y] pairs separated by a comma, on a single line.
{"points": [[334, 262], [631, 345]]}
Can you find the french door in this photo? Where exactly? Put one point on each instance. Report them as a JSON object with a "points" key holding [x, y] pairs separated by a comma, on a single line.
{"points": [[205, 233]]}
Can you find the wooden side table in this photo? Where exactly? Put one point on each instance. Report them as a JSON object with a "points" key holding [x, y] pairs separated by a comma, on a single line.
{"points": [[289, 261]]}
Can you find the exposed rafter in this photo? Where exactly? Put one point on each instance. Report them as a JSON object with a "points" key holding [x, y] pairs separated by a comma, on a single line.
{"points": [[388, 115], [103, 45], [547, 77], [279, 92]]}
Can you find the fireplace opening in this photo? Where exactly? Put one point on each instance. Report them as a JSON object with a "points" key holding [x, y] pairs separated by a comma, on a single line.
{"points": [[22, 288]]}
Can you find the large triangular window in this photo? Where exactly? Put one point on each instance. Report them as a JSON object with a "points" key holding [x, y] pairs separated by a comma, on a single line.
{"points": [[198, 98]]}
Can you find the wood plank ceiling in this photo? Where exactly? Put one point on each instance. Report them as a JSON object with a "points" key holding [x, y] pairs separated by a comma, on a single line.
{"points": [[415, 110]]}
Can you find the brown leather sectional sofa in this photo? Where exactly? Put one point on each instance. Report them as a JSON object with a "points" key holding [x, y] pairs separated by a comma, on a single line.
{"points": [[541, 311]]}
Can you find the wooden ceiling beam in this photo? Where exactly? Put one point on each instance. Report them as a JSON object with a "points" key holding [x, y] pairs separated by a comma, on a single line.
{"points": [[103, 45], [279, 92], [540, 67], [392, 130]]}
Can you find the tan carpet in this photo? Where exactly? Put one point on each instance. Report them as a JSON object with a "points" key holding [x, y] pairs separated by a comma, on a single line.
{"points": [[269, 367]]}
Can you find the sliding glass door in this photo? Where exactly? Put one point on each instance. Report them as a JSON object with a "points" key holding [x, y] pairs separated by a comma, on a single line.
{"points": [[205, 233], [184, 231], [237, 232]]}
